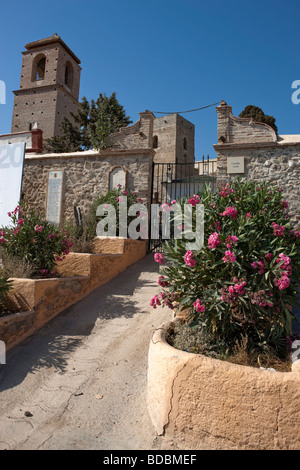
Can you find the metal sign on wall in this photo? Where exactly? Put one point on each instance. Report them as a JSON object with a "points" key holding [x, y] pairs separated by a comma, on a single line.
{"points": [[11, 175]]}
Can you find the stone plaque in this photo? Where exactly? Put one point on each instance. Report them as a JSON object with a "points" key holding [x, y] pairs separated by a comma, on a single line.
{"points": [[235, 165], [117, 177], [54, 196]]}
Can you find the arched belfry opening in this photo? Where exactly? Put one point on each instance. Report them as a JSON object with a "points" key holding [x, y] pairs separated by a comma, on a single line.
{"points": [[69, 75], [39, 67]]}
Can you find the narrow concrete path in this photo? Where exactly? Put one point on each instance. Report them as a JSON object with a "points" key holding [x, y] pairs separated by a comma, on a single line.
{"points": [[80, 381]]}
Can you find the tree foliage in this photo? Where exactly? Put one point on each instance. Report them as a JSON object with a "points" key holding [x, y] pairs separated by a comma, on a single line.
{"points": [[258, 115], [94, 122]]}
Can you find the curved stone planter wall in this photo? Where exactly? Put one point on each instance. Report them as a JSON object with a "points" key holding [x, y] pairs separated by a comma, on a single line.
{"points": [[39, 300], [203, 403]]}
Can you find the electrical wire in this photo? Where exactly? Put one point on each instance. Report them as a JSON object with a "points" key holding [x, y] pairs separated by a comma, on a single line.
{"points": [[188, 111]]}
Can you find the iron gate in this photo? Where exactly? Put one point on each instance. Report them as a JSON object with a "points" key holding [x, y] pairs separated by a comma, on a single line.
{"points": [[171, 181]]}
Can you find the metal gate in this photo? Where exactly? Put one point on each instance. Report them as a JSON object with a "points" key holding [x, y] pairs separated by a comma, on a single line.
{"points": [[171, 181]]}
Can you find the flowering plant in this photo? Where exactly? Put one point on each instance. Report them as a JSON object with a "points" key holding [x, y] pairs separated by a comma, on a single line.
{"points": [[244, 279], [32, 238], [112, 198]]}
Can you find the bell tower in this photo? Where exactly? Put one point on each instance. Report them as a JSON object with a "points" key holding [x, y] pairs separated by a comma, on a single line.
{"points": [[49, 87]]}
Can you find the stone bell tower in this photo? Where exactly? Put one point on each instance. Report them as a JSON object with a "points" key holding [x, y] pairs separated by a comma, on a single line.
{"points": [[49, 87]]}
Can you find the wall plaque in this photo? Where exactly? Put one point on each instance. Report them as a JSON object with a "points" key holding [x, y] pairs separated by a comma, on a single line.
{"points": [[54, 197], [117, 176], [235, 165]]}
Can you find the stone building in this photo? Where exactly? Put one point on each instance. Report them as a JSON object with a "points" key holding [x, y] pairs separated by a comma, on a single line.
{"points": [[173, 139], [253, 150], [49, 86]]}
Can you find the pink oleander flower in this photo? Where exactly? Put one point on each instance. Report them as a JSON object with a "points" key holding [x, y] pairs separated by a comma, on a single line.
{"points": [[216, 225], [230, 212], [213, 240], [159, 258], [286, 264], [139, 199], [225, 191], [229, 256], [239, 288], [162, 282], [165, 206], [125, 193], [155, 301], [198, 306], [278, 229], [193, 201], [119, 186], [269, 256], [230, 240], [189, 259], [119, 199], [248, 215], [285, 204], [282, 283]]}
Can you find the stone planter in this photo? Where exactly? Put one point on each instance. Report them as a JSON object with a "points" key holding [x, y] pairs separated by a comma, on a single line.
{"points": [[203, 403], [40, 300]]}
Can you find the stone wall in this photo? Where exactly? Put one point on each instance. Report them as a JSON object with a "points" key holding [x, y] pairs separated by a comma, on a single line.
{"points": [[86, 174], [266, 155]]}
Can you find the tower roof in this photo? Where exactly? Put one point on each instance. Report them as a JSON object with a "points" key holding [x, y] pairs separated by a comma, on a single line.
{"points": [[51, 40]]}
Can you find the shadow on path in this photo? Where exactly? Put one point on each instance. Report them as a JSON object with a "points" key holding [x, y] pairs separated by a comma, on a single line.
{"points": [[52, 344]]}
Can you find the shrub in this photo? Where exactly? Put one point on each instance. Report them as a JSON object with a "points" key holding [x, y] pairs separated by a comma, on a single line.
{"points": [[243, 280], [31, 238], [113, 197], [5, 287]]}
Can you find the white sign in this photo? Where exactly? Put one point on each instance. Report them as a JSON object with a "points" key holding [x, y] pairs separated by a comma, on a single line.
{"points": [[235, 165], [11, 174], [54, 196], [117, 177]]}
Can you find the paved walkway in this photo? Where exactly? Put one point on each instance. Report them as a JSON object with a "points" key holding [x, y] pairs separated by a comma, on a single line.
{"points": [[80, 382]]}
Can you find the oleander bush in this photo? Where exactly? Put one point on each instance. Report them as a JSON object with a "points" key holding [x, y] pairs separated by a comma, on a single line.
{"points": [[31, 239], [243, 281]]}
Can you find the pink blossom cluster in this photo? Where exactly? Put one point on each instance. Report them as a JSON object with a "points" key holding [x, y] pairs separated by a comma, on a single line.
{"points": [[286, 263], [155, 301], [278, 229], [169, 298], [282, 282], [159, 258], [259, 298], [213, 241], [198, 306], [229, 294], [162, 282], [2, 236], [248, 215], [193, 201], [15, 212], [189, 259], [285, 204], [225, 191], [38, 228], [230, 240], [260, 265], [230, 212], [229, 256]]}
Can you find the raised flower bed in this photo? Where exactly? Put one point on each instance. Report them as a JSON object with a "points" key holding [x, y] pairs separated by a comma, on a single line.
{"points": [[238, 289]]}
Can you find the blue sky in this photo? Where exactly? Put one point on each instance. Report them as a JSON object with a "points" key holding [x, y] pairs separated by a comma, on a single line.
{"points": [[168, 55]]}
